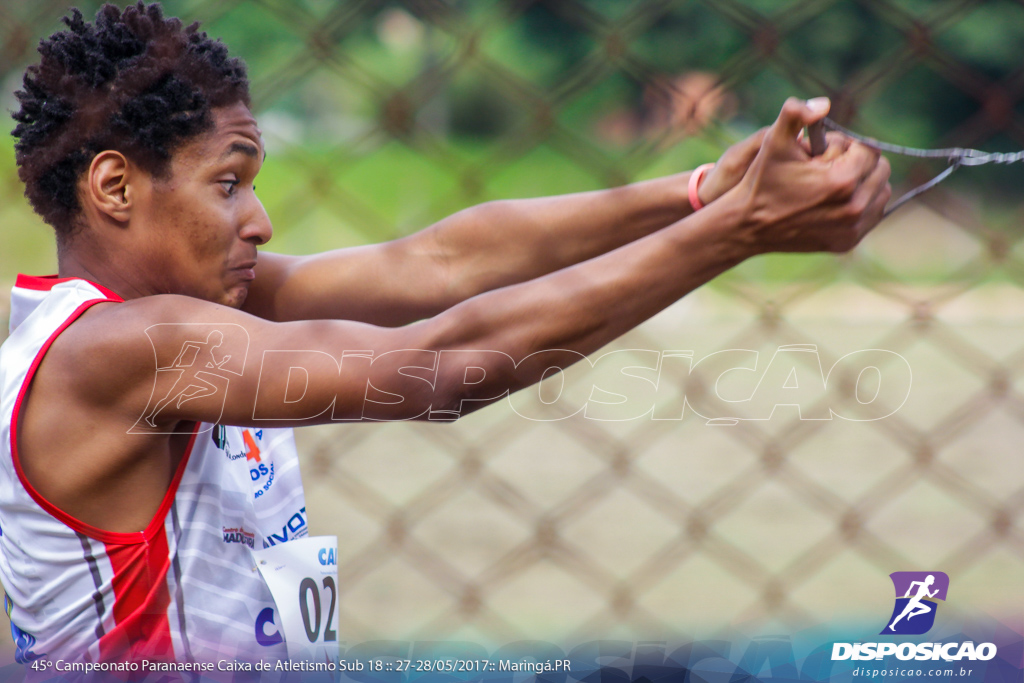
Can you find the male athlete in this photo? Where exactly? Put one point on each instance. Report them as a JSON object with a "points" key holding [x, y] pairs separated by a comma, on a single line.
{"points": [[132, 526]]}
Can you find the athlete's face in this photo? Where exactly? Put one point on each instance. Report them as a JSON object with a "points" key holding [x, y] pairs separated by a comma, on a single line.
{"points": [[203, 222]]}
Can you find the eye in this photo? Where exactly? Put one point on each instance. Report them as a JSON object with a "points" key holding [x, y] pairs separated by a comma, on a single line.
{"points": [[229, 185]]}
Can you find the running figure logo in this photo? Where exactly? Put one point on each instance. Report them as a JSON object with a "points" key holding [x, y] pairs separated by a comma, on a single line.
{"points": [[916, 593], [195, 360], [198, 369]]}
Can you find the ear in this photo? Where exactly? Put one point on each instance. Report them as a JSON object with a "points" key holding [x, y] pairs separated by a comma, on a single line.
{"points": [[108, 185]]}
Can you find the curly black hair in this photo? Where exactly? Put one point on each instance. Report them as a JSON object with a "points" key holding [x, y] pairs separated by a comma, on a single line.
{"points": [[132, 81]]}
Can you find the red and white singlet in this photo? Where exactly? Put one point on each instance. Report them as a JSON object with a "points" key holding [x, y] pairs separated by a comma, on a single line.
{"points": [[185, 588]]}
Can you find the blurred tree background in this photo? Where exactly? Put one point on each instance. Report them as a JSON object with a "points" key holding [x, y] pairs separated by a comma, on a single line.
{"points": [[382, 117]]}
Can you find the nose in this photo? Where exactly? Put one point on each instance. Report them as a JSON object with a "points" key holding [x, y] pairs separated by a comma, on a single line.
{"points": [[257, 228]]}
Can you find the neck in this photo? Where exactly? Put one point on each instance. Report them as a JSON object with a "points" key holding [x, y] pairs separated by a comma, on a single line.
{"points": [[84, 261]]}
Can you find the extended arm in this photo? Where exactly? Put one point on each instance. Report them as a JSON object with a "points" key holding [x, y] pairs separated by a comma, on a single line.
{"points": [[910, 588], [478, 249], [787, 202], [105, 367]]}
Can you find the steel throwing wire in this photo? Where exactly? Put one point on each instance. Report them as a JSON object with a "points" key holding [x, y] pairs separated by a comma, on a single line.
{"points": [[954, 156]]}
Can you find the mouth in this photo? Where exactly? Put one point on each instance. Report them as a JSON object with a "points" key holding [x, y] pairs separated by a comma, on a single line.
{"points": [[246, 271]]}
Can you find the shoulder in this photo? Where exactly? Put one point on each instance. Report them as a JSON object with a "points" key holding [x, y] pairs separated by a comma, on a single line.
{"points": [[112, 351]]}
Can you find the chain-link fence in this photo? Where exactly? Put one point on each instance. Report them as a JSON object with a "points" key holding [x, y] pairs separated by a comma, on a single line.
{"points": [[382, 117]]}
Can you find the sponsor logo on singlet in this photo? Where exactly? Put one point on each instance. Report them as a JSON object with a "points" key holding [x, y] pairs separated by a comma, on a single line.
{"points": [[295, 527], [250, 451], [263, 477], [239, 535], [266, 616], [23, 644], [220, 436]]}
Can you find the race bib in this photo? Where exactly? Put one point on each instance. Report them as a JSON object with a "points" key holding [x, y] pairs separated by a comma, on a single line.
{"points": [[302, 575]]}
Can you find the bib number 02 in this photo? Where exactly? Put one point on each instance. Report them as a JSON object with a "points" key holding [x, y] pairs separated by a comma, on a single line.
{"points": [[309, 594], [302, 575]]}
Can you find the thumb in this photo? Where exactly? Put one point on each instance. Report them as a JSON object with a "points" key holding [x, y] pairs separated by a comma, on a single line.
{"points": [[797, 114]]}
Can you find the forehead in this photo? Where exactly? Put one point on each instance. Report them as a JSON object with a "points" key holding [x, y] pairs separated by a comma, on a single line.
{"points": [[234, 131]]}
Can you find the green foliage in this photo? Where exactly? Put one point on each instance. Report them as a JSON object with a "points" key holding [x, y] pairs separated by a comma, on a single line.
{"points": [[382, 117]]}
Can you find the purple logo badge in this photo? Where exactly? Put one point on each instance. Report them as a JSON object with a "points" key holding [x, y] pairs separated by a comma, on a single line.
{"points": [[916, 595]]}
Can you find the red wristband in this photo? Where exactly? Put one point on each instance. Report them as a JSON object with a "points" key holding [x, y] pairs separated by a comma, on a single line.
{"points": [[695, 180]]}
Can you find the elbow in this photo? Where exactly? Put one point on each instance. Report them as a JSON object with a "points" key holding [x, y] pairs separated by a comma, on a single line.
{"points": [[468, 380], [466, 252]]}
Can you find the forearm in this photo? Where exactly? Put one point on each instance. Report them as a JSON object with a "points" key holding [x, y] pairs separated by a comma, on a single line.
{"points": [[575, 310], [510, 241], [583, 307], [476, 250]]}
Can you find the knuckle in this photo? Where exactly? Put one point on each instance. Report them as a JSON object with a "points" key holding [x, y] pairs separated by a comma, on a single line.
{"points": [[844, 186], [837, 139], [857, 206], [886, 167], [868, 156], [792, 106]]}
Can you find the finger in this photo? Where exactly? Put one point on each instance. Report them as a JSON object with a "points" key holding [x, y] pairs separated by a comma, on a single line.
{"points": [[852, 167], [876, 186], [757, 139], [752, 145], [795, 115], [882, 171], [839, 139], [875, 211], [838, 144], [878, 181], [732, 165]]}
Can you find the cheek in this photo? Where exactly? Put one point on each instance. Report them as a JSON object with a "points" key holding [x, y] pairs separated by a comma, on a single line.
{"points": [[205, 239], [192, 232]]}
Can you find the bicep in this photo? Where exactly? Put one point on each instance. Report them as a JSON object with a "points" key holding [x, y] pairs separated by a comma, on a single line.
{"points": [[389, 284], [158, 361]]}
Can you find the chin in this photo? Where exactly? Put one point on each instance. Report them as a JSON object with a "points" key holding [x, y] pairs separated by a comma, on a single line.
{"points": [[235, 297]]}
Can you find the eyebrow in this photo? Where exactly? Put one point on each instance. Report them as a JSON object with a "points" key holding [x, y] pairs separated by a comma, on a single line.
{"points": [[245, 148]]}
